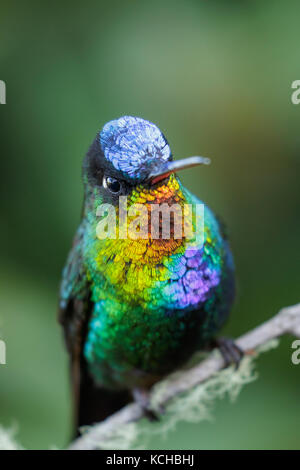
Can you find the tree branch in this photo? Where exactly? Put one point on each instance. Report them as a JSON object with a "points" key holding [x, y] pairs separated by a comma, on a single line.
{"points": [[287, 321]]}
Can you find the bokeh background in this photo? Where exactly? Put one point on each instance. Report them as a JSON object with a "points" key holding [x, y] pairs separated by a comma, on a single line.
{"points": [[216, 77]]}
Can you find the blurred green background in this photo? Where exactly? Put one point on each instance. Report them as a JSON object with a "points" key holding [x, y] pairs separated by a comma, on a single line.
{"points": [[216, 77]]}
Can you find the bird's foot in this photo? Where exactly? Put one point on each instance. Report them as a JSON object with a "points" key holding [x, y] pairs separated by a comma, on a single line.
{"points": [[231, 352], [142, 397]]}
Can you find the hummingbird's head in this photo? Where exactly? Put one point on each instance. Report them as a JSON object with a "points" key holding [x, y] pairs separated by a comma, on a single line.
{"points": [[131, 157], [130, 152]]}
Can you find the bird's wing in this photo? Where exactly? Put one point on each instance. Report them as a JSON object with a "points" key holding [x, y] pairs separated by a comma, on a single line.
{"points": [[74, 312], [91, 403]]}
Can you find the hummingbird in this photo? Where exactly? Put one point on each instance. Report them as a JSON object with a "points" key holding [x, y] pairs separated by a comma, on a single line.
{"points": [[134, 309]]}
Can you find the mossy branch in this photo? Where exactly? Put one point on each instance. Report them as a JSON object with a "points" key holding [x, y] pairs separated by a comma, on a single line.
{"points": [[287, 321]]}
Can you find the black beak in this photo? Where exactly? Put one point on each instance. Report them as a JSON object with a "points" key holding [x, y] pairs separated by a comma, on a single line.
{"points": [[174, 166]]}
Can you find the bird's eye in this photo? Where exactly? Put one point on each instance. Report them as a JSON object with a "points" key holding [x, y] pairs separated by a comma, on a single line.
{"points": [[112, 184]]}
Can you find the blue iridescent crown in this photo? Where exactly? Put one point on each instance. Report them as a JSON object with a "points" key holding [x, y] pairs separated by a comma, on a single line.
{"points": [[133, 145]]}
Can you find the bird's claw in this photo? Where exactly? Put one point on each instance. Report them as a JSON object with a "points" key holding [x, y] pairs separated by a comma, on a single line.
{"points": [[231, 352], [141, 396]]}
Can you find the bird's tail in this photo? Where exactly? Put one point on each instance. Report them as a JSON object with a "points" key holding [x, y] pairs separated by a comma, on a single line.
{"points": [[95, 403]]}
